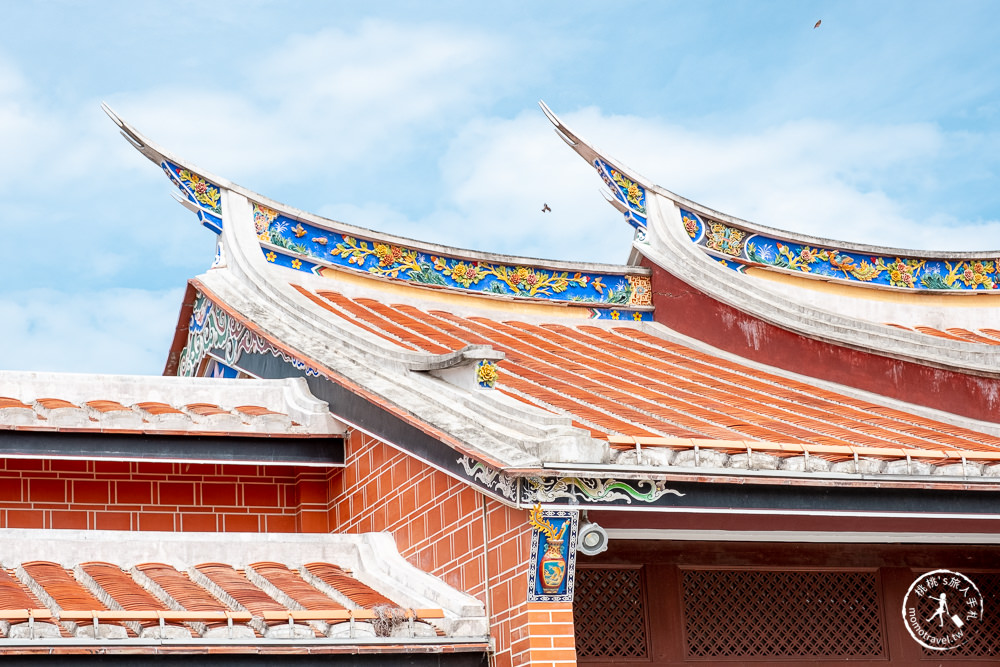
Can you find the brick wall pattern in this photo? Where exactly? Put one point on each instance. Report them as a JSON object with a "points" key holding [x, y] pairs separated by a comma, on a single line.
{"points": [[117, 495], [447, 528]]}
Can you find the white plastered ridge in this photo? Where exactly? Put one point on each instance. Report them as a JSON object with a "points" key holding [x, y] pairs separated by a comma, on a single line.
{"points": [[289, 397]]}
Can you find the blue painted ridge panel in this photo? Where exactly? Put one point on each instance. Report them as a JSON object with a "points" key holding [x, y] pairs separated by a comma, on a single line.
{"points": [[883, 270], [290, 261], [598, 311], [199, 191], [391, 261], [626, 191]]}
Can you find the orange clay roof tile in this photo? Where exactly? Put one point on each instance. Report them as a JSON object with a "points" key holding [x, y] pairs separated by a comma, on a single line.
{"points": [[59, 583], [983, 336], [179, 586], [235, 583], [291, 584], [206, 409], [255, 410], [357, 592], [107, 406], [155, 408], [55, 403], [14, 595]]}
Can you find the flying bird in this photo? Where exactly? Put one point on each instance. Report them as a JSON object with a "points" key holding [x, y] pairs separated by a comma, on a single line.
{"points": [[545, 208], [817, 24]]}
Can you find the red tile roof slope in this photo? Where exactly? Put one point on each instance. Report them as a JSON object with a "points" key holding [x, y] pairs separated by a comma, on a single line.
{"points": [[626, 381]]}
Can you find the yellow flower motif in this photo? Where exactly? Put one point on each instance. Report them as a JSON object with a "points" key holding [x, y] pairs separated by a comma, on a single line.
{"points": [[615, 314], [637, 316], [270, 257], [633, 193], [487, 374], [296, 264]]}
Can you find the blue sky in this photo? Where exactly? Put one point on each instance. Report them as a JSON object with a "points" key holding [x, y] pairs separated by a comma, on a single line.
{"points": [[420, 119]]}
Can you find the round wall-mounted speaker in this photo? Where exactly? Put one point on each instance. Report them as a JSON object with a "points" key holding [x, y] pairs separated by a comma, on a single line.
{"points": [[592, 539]]}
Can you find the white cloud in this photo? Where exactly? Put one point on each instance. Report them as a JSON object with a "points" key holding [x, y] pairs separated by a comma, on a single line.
{"points": [[328, 101], [109, 331], [818, 178]]}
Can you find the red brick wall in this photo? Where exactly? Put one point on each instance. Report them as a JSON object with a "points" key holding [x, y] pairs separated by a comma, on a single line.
{"points": [[551, 640], [443, 526], [114, 495]]}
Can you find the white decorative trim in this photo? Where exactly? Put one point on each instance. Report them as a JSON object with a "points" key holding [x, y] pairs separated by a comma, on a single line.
{"points": [[489, 477], [595, 490]]}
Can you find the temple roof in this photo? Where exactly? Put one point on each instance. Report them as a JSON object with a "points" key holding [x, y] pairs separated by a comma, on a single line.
{"points": [[190, 419], [524, 363], [326, 593]]}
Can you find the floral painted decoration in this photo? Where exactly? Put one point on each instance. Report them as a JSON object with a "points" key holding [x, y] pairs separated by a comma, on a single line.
{"points": [[205, 193], [973, 274], [262, 219], [891, 271], [394, 261], [634, 194], [487, 374], [207, 196], [627, 191], [691, 225]]}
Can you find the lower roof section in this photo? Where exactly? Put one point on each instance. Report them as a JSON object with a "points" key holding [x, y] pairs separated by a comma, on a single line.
{"points": [[238, 592], [136, 418], [78, 402]]}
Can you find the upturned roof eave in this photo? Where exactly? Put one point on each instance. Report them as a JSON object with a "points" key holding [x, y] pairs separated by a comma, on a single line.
{"points": [[157, 154], [589, 152]]}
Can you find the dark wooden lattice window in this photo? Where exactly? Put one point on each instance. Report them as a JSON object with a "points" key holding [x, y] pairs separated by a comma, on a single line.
{"points": [[985, 642], [766, 615], [609, 614]]}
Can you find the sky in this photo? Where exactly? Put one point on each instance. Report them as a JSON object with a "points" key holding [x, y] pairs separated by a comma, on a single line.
{"points": [[420, 119]]}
